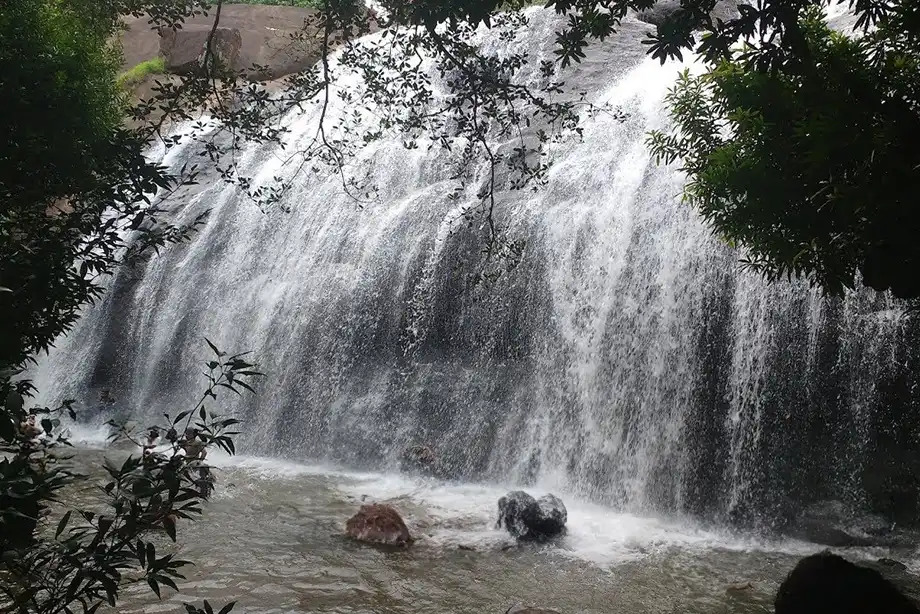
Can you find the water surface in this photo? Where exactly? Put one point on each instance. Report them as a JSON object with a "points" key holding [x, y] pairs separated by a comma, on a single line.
{"points": [[272, 538]]}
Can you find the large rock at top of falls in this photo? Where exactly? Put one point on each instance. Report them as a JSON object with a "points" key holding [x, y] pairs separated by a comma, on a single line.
{"points": [[659, 13], [183, 50], [274, 41], [527, 518], [378, 524]]}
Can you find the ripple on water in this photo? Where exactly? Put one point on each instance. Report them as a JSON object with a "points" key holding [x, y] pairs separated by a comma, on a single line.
{"points": [[272, 538]]}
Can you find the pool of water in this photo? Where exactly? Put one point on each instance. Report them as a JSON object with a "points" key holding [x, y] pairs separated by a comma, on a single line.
{"points": [[272, 539]]}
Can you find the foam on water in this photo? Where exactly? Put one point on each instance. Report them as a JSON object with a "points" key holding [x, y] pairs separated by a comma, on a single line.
{"points": [[89, 436], [449, 514]]}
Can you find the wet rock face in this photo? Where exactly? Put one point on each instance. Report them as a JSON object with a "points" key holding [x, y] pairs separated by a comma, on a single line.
{"points": [[829, 584], [268, 42], [531, 519], [663, 9], [378, 524], [423, 461], [833, 523]]}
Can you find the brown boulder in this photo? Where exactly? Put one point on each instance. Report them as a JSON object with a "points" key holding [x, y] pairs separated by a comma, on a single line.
{"points": [[274, 40], [378, 524], [183, 50]]}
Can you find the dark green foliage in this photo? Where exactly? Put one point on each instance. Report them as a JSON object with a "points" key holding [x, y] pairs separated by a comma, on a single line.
{"points": [[73, 181], [75, 202], [810, 167], [90, 554]]}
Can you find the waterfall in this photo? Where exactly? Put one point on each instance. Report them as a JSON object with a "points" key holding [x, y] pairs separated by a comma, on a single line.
{"points": [[627, 358]]}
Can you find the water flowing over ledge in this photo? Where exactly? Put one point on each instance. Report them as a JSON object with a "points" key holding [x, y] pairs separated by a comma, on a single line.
{"points": [[627, 360]]}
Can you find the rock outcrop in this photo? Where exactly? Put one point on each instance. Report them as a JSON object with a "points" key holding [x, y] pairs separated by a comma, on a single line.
{"points": [[527, 518], [183, 50], [263, 42], [422, 460], [378, 524], [659, 13], [826, 583], [834, 524]]}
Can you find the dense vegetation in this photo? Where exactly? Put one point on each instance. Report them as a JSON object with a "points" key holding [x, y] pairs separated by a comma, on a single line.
{"points": [[800, 146], [74, 204], [806, 157]]}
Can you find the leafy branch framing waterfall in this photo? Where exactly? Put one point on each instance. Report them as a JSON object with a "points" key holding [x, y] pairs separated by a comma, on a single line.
{"points": [[77, 203]]}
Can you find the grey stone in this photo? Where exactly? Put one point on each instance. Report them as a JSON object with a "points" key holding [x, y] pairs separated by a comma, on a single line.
{"points": [[724, 10]]}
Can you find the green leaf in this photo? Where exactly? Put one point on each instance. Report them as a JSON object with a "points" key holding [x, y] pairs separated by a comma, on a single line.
{"points": [[214, 349], [169, 525], [168, 582], [226, 609], [62, 524]]}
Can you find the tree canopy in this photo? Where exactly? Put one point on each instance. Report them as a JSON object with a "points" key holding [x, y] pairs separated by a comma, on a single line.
{"points": [[807, 157]]}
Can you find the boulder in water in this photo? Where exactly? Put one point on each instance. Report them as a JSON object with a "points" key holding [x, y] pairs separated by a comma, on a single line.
{"points": [[531, 519], [892, 564], [835, 524], [826, 583], [422, 460], [378, 524]]}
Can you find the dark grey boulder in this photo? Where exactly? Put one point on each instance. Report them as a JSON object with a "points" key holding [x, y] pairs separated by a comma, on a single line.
{"points": [[826, 583], [527, 518], [663, 9]]}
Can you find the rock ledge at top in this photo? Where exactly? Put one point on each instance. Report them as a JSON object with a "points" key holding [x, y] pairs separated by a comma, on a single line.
{"points": [[277, 39]]}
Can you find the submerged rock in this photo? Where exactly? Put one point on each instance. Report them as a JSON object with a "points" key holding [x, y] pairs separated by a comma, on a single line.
{"points": [[736, 590], [378, 524], [527, 610], [834, 524], [422, 460], [892, 564], [826, 583], [663, 10], [527, 518]]}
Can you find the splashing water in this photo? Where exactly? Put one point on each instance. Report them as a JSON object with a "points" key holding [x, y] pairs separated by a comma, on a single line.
{"points": [[627, 361]]}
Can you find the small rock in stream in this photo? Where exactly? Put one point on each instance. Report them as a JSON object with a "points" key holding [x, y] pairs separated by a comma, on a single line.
{"points": [[893, 564], [736, 590], [378, 524], [529, 519]]}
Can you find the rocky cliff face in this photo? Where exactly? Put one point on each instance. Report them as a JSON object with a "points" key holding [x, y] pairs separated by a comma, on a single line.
{"points": [[265, 42]]}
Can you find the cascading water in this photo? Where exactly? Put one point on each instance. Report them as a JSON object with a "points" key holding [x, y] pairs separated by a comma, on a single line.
{"points": [[627, 359]]}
